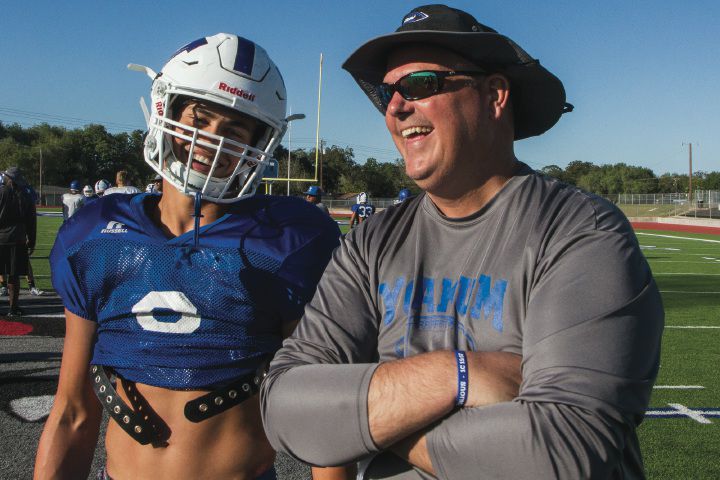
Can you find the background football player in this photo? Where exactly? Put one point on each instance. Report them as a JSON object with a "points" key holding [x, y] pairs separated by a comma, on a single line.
{"points": [[73, 200], [184, 296], [362, 210], [100, 187]]}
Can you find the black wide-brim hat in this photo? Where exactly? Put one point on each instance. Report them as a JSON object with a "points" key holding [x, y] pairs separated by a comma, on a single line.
{"points": [[538, 96]]}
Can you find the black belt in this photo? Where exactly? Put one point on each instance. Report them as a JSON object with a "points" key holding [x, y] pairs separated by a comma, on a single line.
{"points": [[140, 426]]}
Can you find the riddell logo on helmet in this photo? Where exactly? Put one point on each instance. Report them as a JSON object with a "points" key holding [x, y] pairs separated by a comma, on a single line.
{"points": [[159, 108], [236, 91]]}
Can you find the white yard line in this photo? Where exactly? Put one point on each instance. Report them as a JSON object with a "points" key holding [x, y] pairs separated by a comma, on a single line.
{"points": [[678, 273], [696, 327], [680, 387], [684, 291], [706, 262], [679, 238]]}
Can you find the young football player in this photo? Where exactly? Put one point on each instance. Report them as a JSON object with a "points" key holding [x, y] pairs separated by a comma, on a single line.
{"points": [[100, 187], [184, 297], [123, 184], [73, 200], [362, 210]]}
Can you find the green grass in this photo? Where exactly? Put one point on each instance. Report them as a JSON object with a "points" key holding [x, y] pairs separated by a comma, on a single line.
{"points": [[47, 228], [687, 271]]}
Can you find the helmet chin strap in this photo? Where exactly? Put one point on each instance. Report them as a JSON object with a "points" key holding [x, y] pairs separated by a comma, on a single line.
{"points": [[198, 216]]}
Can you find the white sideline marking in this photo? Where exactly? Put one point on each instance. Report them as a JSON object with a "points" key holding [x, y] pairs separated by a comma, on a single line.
{"points": [[657, 248], [44, 315], [697, 274], [32, 409], [692, 326], [694, 414], [679, 238], [680, 387], [683, 261]]}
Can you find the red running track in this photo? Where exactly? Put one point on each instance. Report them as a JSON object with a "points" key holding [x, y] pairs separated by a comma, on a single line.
{"points": [[14, 328]]}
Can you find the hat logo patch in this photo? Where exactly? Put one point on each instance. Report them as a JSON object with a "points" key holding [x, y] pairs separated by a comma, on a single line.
{"points": [[413, 17]]}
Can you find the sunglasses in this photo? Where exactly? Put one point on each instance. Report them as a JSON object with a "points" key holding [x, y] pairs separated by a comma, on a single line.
{"points": [[418, 85]]}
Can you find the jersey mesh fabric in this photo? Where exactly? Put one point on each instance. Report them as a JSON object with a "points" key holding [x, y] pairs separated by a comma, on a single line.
{"points": [[228, 287]]}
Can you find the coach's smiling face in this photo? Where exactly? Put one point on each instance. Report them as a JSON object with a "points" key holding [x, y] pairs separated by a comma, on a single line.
{"points": [[439, 136], [457, 143]]}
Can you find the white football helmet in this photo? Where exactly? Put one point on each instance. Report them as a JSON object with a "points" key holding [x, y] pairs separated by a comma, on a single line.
{"points": [[362, 197], [225, 70], [100, 186]]}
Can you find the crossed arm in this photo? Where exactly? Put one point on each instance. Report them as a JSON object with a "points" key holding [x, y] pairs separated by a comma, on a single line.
{"points": [[430, 380]]}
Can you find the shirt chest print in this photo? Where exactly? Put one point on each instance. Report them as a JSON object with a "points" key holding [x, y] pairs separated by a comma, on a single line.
{"points": [[435, 299]]}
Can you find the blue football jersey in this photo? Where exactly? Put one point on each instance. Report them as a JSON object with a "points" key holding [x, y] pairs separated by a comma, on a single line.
{"points": [[174, 315], [364, 210]]}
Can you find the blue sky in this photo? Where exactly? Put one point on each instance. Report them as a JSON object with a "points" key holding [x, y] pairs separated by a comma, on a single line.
{"points": [[643, 75]]}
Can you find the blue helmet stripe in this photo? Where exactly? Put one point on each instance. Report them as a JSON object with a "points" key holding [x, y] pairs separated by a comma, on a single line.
{"points": [[191, 46], [245, 56]]}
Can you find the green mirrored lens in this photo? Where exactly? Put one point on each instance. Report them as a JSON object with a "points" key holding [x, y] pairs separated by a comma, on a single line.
{"points": [[419, 85]]}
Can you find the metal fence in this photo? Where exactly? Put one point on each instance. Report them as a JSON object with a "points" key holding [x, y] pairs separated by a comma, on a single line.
{"points": [[703, 204]]}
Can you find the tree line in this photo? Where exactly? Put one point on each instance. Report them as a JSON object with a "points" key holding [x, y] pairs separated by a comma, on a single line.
{"points": [[91, 152], [621, 178]]}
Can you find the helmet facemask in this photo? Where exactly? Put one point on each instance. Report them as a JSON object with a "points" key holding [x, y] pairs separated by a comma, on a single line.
{"points": [[250, 161]]}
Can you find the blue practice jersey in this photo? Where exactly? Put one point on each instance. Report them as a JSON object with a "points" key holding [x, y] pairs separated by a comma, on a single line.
{"points": [[364, 210], [173, 315]]}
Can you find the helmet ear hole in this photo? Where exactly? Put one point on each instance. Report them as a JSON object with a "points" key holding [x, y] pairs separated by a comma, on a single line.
{"points": [[261, 138]]}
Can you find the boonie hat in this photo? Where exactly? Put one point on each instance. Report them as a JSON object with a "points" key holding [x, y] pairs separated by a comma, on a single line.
{"points": [[538, 96]]}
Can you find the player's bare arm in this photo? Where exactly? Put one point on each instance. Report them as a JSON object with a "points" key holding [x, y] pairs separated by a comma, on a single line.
{"points": [[348, 472], [68, 440]]}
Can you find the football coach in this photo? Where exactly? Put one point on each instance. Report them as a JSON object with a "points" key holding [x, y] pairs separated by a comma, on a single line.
{"points": [[501, 324]]}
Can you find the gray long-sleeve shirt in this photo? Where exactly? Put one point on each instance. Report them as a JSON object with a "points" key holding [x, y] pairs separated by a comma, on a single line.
{"points": [[544, 270]]}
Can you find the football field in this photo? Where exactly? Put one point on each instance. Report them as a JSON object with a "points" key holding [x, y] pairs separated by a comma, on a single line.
{"points": [[680, 436]]}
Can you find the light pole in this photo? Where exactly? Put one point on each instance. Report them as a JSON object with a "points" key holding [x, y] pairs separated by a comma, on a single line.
{"points": [[41, 179], [290, 119]]}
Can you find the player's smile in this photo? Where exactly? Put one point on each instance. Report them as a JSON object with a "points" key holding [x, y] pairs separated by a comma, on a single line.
{"points": [[202, 162], [217, 121]]}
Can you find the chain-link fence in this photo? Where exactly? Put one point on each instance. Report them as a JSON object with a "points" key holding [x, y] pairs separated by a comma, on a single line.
{"points": [[703, 204]]}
